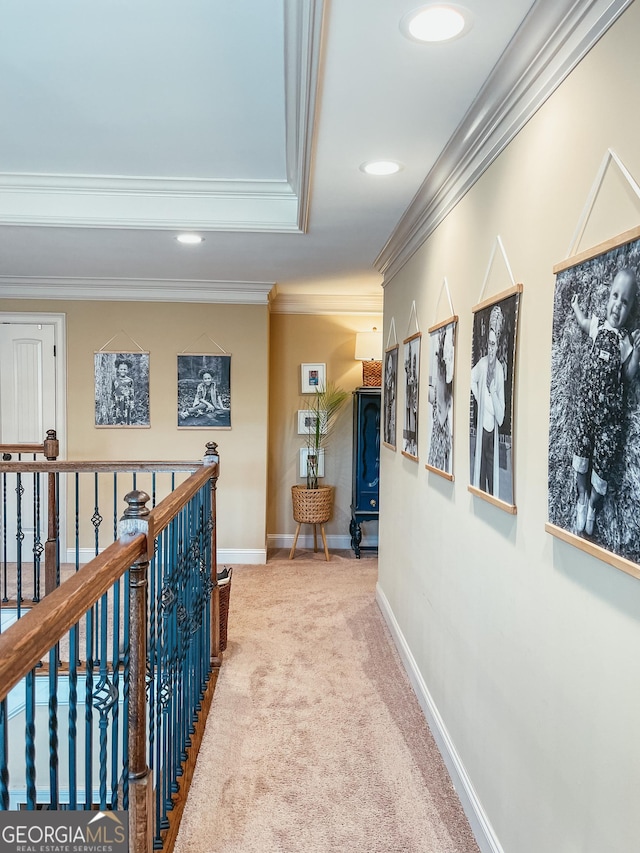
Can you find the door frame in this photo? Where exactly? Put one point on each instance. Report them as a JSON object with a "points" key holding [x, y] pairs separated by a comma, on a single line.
{"points": [[59, 322]]}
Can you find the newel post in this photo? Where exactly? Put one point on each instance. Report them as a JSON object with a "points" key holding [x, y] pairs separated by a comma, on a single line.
{"points": [[133, 522], [212, 457]]}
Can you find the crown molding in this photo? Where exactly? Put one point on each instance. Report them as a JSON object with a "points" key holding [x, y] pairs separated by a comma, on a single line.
{"points": [[136, 290], [326, 303], [551, 41], [132, 202]]}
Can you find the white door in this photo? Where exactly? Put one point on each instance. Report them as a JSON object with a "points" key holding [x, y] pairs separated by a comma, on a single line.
{"points": [[27, 411]]}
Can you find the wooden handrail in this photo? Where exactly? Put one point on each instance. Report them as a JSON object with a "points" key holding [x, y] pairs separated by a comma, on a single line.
{"points": [[65, 466], [29, 639]]}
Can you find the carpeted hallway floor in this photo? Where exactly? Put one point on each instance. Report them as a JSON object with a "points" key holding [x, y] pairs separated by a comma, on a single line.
{"points": [[315, 742]]}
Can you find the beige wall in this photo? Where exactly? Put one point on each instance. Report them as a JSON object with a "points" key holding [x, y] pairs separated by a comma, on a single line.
{"points": [[526, 646], [165, 330], [298, 339]]}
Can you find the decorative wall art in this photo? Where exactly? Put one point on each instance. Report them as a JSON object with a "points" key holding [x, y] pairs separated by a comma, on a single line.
{"points": [[204, 391], [390, 397], [412, 384], [304, 455], [594, 420], [493, 360], [313, 378], [307, 419], [441, 372], [121, 382]]}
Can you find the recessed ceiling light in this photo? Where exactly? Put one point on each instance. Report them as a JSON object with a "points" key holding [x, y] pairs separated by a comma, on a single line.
{"points": [[189, 239], [436, 23], [381, 167]]}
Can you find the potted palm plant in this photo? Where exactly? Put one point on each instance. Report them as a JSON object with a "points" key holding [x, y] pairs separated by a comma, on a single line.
{"points": [[312, 503]]}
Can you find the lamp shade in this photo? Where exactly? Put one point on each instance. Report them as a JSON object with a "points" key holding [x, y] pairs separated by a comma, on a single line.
{"points": [[368, 346]]}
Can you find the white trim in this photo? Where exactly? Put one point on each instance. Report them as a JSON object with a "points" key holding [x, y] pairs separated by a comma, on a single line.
{"points": [[59, 322], [551, 41], [335, 541], [480, 824], [326, 303], [147, 290]]}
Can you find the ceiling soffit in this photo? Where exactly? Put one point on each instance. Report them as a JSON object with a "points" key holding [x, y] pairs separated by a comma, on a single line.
{"points": [[193, 203]]}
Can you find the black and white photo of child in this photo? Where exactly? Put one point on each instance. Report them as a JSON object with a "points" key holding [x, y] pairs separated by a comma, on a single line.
{"points": [[594, 422]]}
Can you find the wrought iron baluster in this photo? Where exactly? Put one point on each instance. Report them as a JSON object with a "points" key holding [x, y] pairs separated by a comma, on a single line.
{"points": [[88, 710], [104, 698], [115, 710], [38, 547], [19, 538]]}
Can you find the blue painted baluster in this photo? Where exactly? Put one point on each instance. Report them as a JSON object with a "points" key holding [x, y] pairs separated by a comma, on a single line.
{"points": [[4, 757], [88, 711], [115, 711], [54, 780], [126, 641], [104, 697], [74, 653], [30, 737]]}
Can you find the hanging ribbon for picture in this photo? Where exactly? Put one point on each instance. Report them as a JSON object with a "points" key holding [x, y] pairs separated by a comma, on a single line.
{"points": [[445, 287], [497, 245], [608, 158], [209, 338], [121, 332], [413, 313], [392, 341]]}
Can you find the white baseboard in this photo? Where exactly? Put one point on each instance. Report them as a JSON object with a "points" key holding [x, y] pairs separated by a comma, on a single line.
{"points": [[335, 541], [480, 825], [252, 556]]}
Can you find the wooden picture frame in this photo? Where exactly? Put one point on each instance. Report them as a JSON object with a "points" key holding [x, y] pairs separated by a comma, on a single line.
{"points": [[313, 378], [442, 343], [204, 391], [411, 395], [493, 366], [390, 397], [595, 449], [121, 382]]}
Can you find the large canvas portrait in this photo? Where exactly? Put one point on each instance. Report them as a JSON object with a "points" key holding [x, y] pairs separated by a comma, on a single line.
{"points": [[412, 386], [493, 360], [390, 397], [594, 419], [204, 391], [441, 369], [121, 381]]}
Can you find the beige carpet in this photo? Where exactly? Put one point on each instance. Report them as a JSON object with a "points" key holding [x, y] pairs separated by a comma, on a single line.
{"points": [[315, 742]]}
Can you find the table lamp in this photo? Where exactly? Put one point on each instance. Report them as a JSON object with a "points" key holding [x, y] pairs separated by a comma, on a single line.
{"points": [[369, 352]]}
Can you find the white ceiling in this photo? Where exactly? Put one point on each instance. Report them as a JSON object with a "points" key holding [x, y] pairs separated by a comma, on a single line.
{"points": [[125, 122]]}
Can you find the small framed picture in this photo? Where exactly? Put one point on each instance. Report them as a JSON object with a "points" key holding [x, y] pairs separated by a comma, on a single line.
{"points": [[314, 377], [412, 385], [307, 422], [304, 453]]}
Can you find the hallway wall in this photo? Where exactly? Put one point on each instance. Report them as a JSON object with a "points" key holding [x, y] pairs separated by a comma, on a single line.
{"points": [[165, 330], [524, 649]]}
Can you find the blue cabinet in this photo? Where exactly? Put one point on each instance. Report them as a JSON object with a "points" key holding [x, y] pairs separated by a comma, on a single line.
{"points": [[365, 463]]}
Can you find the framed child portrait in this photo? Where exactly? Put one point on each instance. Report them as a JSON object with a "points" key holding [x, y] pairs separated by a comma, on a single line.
{"points": [[390, 397], [442, 339], [204, 391], [594, 417], [121, 381], [493, 362], [411, 393]]}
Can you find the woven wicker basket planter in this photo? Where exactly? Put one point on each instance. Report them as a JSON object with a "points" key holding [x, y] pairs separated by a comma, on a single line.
{"points": [[312, 506]]}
